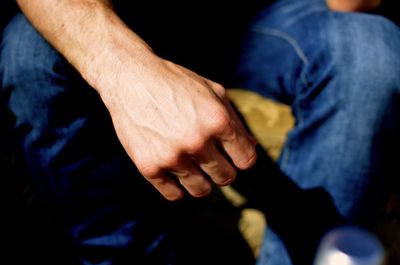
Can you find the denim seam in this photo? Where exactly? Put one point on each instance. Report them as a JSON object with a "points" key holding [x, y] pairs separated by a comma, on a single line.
{"points": [[285, 36], [291, 41], [300, 15], [284, 156]]}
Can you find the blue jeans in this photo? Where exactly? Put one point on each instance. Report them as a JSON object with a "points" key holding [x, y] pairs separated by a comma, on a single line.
{"points": [[297, 52], [106, 212], [76, 163], [340, 73]]}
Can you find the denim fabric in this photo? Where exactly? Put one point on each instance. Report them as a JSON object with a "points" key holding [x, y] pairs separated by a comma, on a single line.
{"points": [[76, 162], [107, 213], [340, 73]]}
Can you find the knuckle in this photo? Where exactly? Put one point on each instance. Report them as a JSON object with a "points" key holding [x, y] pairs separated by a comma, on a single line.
{"points": [[173, 196], [201, 193], [228, 179], [212, 166], [145, 166], [196, 145], [149, 170], [221, 123], [219, 90], [171, 159], [249, 160]]}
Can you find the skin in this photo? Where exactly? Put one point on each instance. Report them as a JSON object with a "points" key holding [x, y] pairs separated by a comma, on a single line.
{"points": [[353, 5], [176, 126]]}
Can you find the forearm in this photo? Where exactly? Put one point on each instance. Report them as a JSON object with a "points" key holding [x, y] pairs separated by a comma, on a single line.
{"points": [[353, 5], [89, 34]]}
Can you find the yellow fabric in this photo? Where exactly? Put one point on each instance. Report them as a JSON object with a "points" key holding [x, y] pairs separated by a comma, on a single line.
{"points": [[268, 120]]}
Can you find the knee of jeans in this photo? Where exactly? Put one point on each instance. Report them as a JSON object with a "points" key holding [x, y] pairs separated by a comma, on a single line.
{"points": [[25, 55], [32, 73], [367, 55]]}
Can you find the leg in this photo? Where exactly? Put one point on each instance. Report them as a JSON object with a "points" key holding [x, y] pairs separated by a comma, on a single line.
{"points": [[111, 215], [74, 158], [340, 74]]}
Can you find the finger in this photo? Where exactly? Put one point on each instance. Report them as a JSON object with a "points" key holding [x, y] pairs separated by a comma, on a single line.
{"points": [[216, 166], [220, 91], [193, 181], [235, 116], [237, 142], [167, 186]]}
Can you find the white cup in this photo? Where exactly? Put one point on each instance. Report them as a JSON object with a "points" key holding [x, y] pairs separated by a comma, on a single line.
{"points": [[349, 246]]}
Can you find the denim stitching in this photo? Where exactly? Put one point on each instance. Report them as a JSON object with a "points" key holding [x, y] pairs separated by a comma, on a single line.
{"points": [[285, 153], [286, 37]]}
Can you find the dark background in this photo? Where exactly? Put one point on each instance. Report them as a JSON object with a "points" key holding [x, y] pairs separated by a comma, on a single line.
{"points": [[26, 229]]}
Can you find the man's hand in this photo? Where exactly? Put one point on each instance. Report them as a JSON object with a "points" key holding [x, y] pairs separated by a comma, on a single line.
{"points": [[175, 124], [177, 127]]}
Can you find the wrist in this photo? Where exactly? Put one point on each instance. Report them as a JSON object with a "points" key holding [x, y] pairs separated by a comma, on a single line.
{"points": [[119, 57]]}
